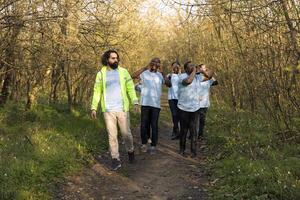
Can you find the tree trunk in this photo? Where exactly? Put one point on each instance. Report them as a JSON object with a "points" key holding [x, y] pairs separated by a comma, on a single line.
{"points": [[55, 79], [9, 64], [5, 87]]}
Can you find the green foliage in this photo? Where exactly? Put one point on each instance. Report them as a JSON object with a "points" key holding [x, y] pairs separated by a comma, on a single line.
{"points": [[248, 160], [39, 147]]}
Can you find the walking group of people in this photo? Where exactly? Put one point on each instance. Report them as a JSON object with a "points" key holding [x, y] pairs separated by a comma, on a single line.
{"points": [[188, 97]]}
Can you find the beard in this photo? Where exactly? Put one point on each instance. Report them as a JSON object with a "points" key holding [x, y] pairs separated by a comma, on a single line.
{"points": [[114, 65]]}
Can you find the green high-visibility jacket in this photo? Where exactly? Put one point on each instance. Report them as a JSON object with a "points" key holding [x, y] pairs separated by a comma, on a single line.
{"points": [[126, 85]]}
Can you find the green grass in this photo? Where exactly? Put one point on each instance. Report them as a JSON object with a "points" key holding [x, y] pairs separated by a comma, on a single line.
{"points": [[247, 157], [38, 148], [249, 160]]}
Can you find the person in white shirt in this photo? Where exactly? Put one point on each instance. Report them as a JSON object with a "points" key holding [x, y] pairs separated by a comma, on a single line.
{"points": [[204, 99], [173, 98], [152, 80], [114, 90], [189, 105]]}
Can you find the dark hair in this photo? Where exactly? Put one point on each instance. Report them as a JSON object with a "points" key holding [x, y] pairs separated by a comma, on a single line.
{"points": [[106, 55], [176, 62], [155, 59], [186, 64]]}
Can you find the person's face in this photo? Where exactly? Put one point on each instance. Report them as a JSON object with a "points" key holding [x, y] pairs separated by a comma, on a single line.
{"points": [[155, 65], [200, 68], [175, 68], [113, 58], [189, 68], [203, 68]]}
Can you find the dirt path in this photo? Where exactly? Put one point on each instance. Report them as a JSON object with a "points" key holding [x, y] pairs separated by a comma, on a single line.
{"points": [[163, 176]]}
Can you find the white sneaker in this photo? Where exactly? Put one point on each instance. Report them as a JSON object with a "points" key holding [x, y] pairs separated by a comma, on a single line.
{"points": [[149, 141], [144, 148]]}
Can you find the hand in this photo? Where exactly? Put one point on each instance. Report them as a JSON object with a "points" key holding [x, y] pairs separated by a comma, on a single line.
{"points": [[136, 108], [168, 77], [199, 69], [93, 114], [194, 69]]}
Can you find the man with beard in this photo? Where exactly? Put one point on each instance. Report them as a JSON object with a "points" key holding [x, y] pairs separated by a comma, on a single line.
{"points": [[151, 84], [189, 104], [112, 88]]}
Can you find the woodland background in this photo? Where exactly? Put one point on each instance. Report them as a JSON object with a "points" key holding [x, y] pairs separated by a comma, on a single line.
{"points": [[50, 53]]}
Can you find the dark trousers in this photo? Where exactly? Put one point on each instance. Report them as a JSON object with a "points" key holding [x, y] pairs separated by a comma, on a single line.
{"points": [[175, 115], [202, 115], [188, 122], [149, 118]]}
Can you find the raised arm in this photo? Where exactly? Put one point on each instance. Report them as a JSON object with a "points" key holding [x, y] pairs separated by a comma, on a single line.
{"points": [[166, 78], [190, 78], [168, 82], [136, 74], [215, 82], [208, 74]]}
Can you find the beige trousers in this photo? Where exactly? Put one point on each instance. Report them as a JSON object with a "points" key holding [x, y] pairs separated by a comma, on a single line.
{"points": [[121, 119]]}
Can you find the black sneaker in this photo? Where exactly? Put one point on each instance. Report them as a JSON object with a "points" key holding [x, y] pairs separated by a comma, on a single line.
{"points": [[193, 155], [175, 137], [182, 153], [200, 138], [172, 135], [115, 164], [175, 134], [131, 157]]}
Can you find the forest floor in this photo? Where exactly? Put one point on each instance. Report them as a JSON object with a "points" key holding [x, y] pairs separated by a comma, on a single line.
{"points": [[49, 153], [165, 175]]}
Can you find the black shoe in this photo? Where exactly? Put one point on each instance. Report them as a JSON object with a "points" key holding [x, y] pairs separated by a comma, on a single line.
{"points": [[200, 138], [181, 152], [131, 157], [175, 137], [194, 155], [115, 164]]}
